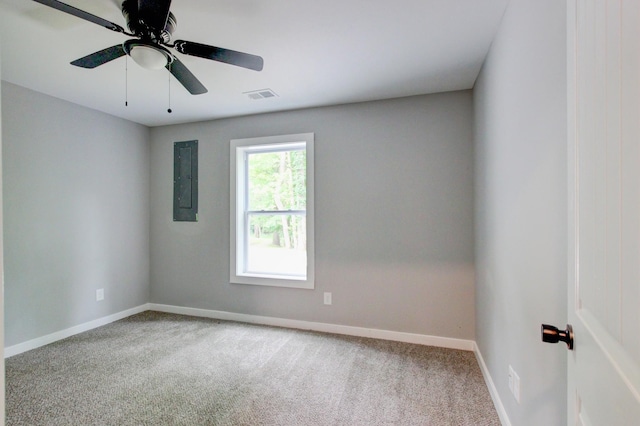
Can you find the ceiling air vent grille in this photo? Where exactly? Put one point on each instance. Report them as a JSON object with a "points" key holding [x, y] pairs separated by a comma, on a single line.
{"points": [[261, 94]]}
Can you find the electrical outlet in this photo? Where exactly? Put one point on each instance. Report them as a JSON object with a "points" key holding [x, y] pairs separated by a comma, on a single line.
{"points": [[99, 294], [327, 298], [514, 383], [516, 386], [511, 373]]}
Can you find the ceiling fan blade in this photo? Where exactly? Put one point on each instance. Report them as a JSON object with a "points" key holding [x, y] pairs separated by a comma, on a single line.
{"points": [[101, 57], [154, 13], [185, 77], [219, 54], [81, 14]]}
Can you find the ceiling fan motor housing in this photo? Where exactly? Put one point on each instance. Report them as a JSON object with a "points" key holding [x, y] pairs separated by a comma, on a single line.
{"points": [[140, 28]]}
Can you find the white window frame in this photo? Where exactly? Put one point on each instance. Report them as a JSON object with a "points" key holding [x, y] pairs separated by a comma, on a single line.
{"points": [[238, 205]]}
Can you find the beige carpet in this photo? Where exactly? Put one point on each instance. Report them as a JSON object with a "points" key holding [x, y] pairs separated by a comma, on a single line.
{"points": [[162, 369]]}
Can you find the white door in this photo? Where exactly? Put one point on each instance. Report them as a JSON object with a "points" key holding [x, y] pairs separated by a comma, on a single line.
{"points": [[604, 220]]}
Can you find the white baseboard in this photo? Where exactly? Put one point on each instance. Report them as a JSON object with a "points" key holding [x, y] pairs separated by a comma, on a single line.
{"points": [[422, 339], [497, 402], [63, 334], [444, 342]]}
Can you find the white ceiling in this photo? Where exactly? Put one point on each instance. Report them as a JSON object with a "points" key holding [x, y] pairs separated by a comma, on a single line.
{"points": [[316, 52]]}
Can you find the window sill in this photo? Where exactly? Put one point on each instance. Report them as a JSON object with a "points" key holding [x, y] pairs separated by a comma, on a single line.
{"points": [[273, 281]]}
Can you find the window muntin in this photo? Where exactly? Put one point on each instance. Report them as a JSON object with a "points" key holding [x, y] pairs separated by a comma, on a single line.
{"points": [[272, 224]]}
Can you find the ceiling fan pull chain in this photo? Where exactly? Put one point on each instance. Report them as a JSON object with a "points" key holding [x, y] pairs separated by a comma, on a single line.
{"points": [[169, 82], [126, 80]]}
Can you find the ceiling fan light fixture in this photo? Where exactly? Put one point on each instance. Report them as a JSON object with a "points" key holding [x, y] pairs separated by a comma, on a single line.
{"points": [[147, 55]]}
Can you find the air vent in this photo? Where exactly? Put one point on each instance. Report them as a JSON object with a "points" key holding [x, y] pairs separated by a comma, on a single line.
{"points": [[261, 94]]}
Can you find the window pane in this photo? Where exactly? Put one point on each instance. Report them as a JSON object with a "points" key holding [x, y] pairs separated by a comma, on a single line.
{"points": [[277, 180], [272, 225], [277, 244]]}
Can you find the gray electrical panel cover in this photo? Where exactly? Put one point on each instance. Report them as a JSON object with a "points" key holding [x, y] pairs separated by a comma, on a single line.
{"points": [[185, 181]]}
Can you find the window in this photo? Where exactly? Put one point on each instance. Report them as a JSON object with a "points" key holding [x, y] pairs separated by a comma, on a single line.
{"points": [[272, 211]]}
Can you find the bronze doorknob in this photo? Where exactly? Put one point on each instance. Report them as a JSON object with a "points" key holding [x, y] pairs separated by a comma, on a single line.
{"points": [[551, 334]]}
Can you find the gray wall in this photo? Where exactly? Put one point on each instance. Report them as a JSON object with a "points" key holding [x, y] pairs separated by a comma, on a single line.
{"points": [[2, 387], [76, 213], [394, 217], [521, 208]]}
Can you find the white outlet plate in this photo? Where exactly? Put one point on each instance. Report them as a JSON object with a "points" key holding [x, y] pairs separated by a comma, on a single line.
{"points": [[327, 298], [99, 294], [516, 386], [514, 383], [511, 373]]}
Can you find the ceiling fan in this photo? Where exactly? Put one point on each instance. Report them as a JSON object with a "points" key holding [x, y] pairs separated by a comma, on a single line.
{"points": [[152, 23]]}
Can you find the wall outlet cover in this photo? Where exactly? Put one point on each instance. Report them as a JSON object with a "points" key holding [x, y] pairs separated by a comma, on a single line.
{"points": [[327, 298]]}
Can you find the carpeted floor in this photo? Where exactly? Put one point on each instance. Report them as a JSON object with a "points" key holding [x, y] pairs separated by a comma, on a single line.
{"points": [[163, 369]]}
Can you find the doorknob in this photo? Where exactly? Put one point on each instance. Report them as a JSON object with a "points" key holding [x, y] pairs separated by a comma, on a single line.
{"points": [[551, 334]]}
